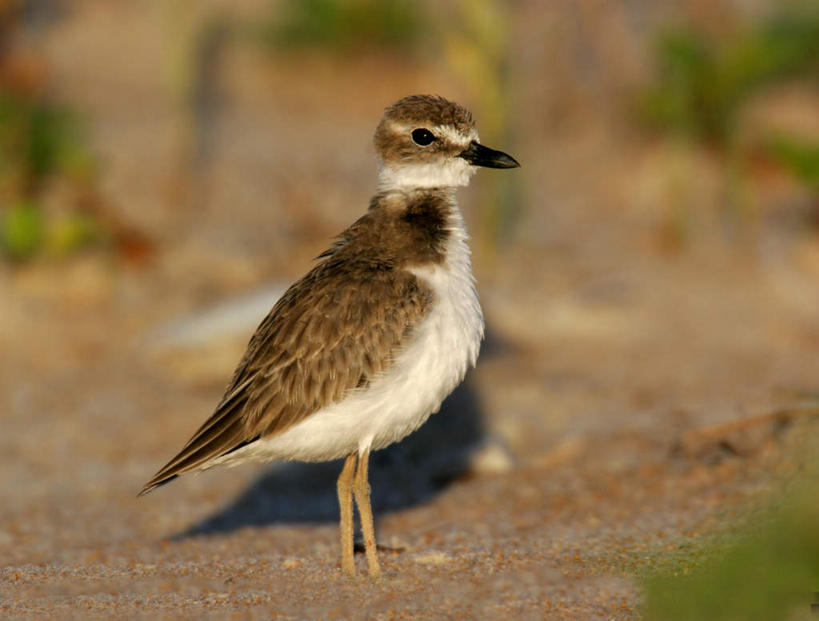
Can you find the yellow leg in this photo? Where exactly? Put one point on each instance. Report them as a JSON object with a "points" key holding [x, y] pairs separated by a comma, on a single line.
{"points": [[361, 489], [345, 503]]}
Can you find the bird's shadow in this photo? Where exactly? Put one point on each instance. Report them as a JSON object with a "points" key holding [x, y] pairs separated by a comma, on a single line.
{"points": [[405, 474]]}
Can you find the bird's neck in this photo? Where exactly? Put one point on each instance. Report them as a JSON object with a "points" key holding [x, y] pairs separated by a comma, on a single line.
{"points": [[406, 196], [413, 226]]}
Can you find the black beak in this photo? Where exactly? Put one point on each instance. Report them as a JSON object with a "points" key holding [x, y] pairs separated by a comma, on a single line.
{"points": [[479, 155]]}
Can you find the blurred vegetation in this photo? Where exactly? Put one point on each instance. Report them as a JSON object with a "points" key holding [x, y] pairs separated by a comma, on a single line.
{"points": [[346, 24], [41, 146], [769, 573], [800, 157], [37, 137], [704, 84]]}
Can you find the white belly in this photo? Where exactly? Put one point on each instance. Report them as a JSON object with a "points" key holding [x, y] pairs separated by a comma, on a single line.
{"points": [[395, 404]]}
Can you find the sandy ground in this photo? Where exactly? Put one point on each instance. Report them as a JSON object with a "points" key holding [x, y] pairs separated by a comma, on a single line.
{"points": [[585, 450], [564, 468]]}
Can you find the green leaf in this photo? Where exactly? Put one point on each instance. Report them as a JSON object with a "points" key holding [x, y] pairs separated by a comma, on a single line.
{"points": [[22, 230]]}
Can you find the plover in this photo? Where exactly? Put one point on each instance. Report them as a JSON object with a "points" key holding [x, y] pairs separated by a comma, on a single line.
{"points": [[364, 348]]}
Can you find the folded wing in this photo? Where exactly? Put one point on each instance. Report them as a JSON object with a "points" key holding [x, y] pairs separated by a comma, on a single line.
{"points": [[332, 332]]}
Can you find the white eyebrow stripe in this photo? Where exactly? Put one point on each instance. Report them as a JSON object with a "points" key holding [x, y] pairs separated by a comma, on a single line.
{"points": [[453, 136]]}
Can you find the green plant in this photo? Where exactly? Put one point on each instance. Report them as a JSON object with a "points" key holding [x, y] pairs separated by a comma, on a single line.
{"points": [[22, 230], [346, 25], [798, 157], [703, 83], [769, 573], [38, 139], [41, 146]]}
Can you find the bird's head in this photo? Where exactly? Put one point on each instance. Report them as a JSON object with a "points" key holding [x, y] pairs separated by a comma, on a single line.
{"points": [[427, 141]]}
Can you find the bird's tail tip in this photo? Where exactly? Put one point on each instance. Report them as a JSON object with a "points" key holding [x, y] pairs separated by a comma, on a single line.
{"points": [[154, 483]]}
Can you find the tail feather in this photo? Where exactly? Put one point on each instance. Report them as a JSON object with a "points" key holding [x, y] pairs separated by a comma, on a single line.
{"points": [[154, 483]]}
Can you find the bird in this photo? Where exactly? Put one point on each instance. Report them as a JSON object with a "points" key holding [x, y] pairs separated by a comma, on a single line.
{"points": [[360, 351]]}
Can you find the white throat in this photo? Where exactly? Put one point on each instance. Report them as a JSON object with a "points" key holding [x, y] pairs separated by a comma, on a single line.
{"points": [[452, 173]]}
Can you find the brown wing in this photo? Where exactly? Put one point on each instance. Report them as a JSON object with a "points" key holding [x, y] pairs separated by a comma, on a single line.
{"points": [[331, 332]]}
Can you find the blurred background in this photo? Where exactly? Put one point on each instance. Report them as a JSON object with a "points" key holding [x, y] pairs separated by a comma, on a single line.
{"points": [[649, 276]]}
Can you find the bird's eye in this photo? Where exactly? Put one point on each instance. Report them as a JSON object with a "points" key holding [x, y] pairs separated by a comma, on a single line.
{"points": [[422, 137]]}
